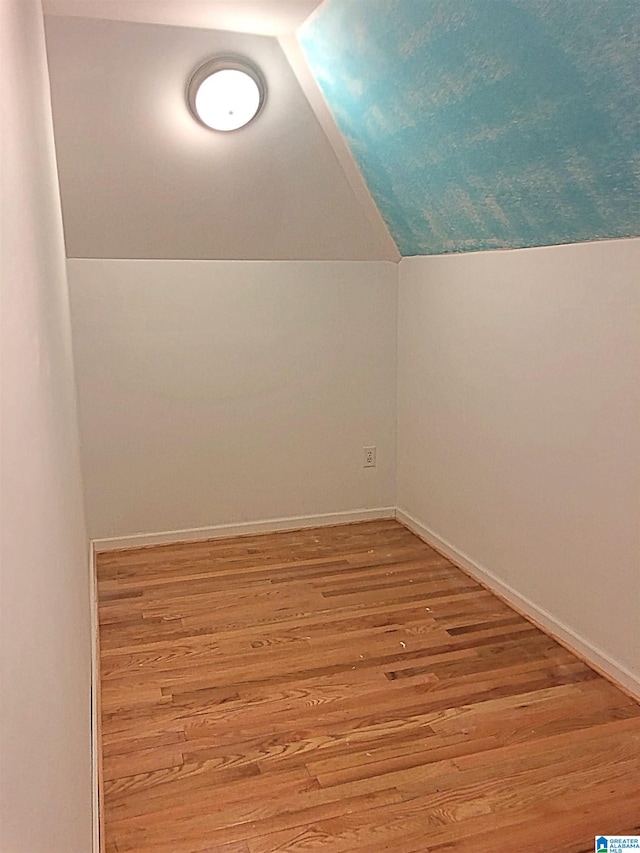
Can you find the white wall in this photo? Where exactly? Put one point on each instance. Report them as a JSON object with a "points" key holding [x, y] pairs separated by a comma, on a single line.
{"points": [[519, 428], [142, 179], [220, 392], [45, 761]]}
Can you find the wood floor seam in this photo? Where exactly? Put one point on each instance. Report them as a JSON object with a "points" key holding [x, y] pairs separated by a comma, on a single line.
{"points": [[346, 690]]}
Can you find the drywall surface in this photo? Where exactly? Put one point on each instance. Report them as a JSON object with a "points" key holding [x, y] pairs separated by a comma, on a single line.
{"points": [[45, 645], [519, 425], [141, 178], [480, 125], [216, 393]]}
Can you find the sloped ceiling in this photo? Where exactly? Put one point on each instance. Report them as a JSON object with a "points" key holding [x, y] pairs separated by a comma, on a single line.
{"points": [[140, 178], [256, 17], [483, 124]]}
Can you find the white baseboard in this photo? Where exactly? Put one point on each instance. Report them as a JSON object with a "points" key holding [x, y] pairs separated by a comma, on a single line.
{"points": [[96, 749], [590, 654], [219, 531]]}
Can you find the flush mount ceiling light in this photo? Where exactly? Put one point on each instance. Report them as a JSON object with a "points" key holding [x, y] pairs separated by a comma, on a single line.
{"points": [[226, 93]]}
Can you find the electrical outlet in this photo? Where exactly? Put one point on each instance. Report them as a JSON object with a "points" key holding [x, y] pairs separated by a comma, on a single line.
{"points": [[369, 457]]}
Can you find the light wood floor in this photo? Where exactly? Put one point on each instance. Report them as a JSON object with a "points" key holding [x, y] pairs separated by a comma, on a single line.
{"points": [[346, 689]]}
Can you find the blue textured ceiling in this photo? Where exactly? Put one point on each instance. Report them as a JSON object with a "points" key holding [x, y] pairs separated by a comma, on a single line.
{"points": [[483, 124]]}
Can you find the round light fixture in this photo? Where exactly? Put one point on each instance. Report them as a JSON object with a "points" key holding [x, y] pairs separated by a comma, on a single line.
{"points": [[226, 93]]}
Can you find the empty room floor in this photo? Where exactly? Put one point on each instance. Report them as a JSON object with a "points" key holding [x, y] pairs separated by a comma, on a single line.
{"points": [[346, 689]]}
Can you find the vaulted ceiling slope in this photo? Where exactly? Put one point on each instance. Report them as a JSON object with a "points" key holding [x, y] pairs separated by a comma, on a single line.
{"points": [[140, 178], [492, 124]]}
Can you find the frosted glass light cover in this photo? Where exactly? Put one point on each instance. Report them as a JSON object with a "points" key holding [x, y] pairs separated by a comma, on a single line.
{"points": [[227, 99]]}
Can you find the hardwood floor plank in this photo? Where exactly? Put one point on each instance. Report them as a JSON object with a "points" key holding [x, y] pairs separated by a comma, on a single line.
{"points": [[346, 689], [255, 818]]}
